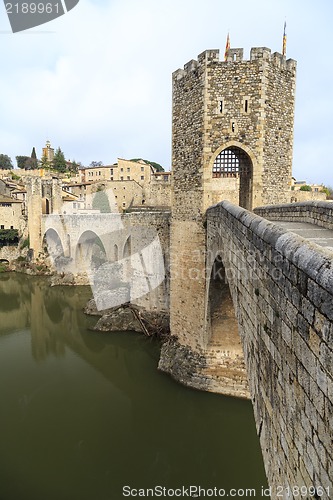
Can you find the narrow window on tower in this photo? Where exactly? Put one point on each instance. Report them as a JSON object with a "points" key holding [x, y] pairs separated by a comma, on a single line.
{"points": [[221, 106], [246, 104]]}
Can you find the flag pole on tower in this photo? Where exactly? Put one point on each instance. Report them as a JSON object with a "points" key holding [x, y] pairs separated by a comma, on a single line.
{"points": [[227, 47], [284, 43]]}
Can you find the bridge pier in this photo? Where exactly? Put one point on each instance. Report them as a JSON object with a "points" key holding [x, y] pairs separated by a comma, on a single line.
{"points": [[188, 284], [198, 355]]}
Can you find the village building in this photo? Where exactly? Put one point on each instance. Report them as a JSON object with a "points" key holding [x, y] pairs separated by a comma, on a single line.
{"points": [[130, 184], [11, 211], [312, 191], [4, 187], [124, 170], [124, 194]]}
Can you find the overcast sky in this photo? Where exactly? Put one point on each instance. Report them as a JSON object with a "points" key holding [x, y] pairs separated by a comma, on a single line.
{"points": [[97, 81]]}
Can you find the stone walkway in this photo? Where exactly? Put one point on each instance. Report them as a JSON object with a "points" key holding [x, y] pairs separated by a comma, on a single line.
{"points": [[312, 232]]}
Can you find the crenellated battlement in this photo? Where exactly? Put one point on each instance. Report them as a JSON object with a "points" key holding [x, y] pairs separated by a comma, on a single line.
{"points": [[211, 55], [236, 55]]}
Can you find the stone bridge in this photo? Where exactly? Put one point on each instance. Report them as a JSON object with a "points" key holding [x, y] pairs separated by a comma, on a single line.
{"points": [[251, 316], [73, 236], [96, 247], [279, 287]]}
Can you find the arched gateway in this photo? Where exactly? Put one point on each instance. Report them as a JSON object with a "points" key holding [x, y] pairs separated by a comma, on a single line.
{"points": [[234, 163]]}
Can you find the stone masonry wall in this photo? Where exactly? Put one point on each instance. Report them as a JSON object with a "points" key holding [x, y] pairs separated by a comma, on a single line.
{"points": [[159, 298], [315, 212], [11, 216], [187, 237], [37, 190], [298, 196], [188, 104], [279, 95], [282, 289], [10, 253], [157, 194], [229, 84], [250, 104]]}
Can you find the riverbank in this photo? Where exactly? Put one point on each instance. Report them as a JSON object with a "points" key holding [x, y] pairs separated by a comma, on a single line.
{"points": [[22, 264], [129, 317]]}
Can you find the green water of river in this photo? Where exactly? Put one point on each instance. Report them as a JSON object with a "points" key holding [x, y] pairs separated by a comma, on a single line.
{"points": [[83, 414]]}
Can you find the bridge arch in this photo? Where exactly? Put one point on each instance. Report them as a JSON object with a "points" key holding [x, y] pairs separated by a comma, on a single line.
{"points": [[52, 244], [222, 330], [90, 252], [233, 160], [218, 297]]}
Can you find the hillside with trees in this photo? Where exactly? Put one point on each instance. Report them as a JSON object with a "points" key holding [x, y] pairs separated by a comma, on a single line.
{"points": [[158, 167]]}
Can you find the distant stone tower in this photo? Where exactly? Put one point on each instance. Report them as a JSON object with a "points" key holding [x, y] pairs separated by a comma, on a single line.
{"points": [[43, 198], [48, 152], [232, 139]]}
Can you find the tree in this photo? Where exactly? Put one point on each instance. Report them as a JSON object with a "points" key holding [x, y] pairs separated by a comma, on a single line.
{"points": [[73, 166], [59, 162], [8, 237], [26, 162], [101, 201], [5, 162], [306, 187], [31, 164], [329, 192], [44, 163], [21, 161], [158, 167]]}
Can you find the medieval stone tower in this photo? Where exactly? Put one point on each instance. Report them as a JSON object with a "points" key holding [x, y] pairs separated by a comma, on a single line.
{"points": [[43, 197], [233, 128], [232, 139]]}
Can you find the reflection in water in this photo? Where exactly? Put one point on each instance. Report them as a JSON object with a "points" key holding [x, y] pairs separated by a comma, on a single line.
{"points": [[9, 302], [85, 413]]}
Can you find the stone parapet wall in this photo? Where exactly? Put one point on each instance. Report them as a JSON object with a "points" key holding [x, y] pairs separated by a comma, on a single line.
{"points": [[282, 289], [314, 212]]}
